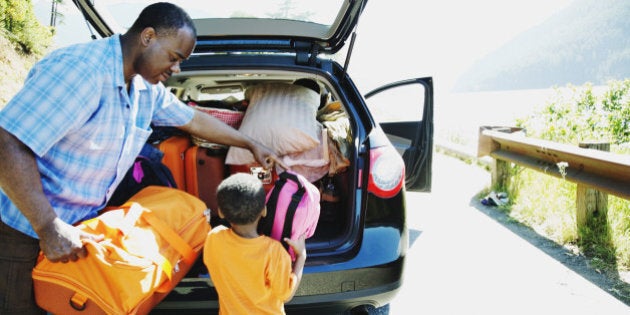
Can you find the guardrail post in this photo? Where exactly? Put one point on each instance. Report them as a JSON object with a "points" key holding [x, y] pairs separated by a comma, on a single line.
{"points": [[591, 203], [499, 169]]}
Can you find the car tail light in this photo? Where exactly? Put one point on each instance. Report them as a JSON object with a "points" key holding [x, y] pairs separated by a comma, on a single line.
{"points": [[387, 172]]}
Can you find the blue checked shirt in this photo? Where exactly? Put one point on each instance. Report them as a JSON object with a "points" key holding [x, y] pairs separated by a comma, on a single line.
{"points": [[85, 130]]}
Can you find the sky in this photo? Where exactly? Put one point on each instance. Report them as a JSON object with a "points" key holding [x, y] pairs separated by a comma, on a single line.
{"points": [[401, 39], [440, 38]]}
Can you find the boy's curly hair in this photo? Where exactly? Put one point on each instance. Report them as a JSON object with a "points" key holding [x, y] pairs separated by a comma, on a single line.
{"points": [[241, 198]]}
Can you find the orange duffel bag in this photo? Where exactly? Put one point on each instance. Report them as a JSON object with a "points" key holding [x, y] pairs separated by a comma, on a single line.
{"points": [[151, 242]]}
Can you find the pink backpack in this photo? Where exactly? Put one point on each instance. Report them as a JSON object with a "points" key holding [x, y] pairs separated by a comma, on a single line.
{"points": [[292, 209]]}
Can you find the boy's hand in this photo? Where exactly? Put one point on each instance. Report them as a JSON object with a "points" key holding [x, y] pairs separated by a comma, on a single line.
{"points": [[299, 248], [299, 245]]}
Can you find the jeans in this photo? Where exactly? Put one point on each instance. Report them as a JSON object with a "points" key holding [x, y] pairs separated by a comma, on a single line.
{"points": [[18, 255]]}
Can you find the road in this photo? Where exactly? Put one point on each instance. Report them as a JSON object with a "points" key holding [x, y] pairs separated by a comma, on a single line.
{"points": [[466, 259]]}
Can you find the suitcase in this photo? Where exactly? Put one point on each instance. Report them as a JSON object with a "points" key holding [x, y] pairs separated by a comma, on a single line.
{"points": [[205, 169], [268, 177], [174, 149]]}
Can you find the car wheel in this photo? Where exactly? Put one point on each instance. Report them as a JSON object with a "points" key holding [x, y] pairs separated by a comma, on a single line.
{"points": [[383, 310], [370, 310]]}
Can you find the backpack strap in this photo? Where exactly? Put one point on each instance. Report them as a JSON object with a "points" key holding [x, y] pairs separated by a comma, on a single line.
{"points": [[295, 200], [266, 223]]}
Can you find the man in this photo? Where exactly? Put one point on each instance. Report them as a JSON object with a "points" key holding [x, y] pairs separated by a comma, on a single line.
{"points": [[71, 133]]}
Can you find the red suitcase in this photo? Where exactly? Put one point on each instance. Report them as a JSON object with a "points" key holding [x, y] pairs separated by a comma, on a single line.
{"points": [[174, 149], [205, 169]]}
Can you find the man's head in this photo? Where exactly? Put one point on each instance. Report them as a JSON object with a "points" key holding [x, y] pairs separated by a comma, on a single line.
{"points": [[165, 35], [241, 198], [166, 18]]}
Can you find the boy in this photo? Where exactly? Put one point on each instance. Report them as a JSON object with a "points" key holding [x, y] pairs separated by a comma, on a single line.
{"points": [[252, 273]]}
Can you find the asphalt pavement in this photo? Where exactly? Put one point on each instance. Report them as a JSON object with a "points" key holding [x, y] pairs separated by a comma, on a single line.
{"points": [[465, 258]]}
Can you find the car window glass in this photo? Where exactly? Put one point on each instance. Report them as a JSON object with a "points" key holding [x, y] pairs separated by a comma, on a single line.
{"points": [[321, 12], [403, 103]]}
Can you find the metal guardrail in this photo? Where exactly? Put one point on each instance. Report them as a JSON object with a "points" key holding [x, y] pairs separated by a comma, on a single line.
{"points": [[604, 171]]}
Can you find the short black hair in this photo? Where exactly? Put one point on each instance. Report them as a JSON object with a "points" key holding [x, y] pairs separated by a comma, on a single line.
{"points": [[165, 18], [241, 198]]}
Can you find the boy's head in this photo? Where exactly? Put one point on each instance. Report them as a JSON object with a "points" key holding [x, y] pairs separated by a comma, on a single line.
{"points": [[241, 198]]}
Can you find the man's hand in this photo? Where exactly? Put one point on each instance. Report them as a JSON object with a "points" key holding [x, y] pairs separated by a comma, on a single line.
{"points": [[208, 127], [265, 156], [62, 242]]}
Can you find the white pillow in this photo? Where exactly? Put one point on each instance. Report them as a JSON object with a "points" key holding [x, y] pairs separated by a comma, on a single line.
{"points": [[312, 164], [281, 116]]}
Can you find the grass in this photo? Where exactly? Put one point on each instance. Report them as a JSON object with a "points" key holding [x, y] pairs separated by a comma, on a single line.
{"points": [[550, 214], [547, 204], [14, 67]]}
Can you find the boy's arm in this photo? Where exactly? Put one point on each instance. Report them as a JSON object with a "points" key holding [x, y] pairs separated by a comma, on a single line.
{"points": [[299, 247]]}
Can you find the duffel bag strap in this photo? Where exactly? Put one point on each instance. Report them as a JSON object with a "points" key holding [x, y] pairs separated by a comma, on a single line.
{"points": [[133, 214], [178, 243]]}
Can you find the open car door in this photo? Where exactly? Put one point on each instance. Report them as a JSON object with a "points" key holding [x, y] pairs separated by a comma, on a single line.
{"points": [[404, 111]]}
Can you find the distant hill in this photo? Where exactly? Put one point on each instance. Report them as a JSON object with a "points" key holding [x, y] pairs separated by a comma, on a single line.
{"points": [[589, 41]]}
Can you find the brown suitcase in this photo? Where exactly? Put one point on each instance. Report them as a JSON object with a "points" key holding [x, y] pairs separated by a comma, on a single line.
{"points": [[174, 149], [205, 169]]}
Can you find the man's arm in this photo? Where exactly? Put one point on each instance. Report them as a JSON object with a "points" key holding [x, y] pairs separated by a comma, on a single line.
{"points": [[208, 127], [20, 180]]}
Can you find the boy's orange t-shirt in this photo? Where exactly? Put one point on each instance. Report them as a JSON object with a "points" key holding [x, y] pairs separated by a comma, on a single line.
{"points": [[251, 276]]}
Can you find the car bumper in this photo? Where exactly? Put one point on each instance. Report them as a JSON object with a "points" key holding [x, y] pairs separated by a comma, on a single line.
{"points": [[345, 290], [375, 286], [372, 277]]}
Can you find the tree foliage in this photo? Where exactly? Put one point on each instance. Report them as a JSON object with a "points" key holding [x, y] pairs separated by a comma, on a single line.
{"points": [[584, 115], [19, 24]]}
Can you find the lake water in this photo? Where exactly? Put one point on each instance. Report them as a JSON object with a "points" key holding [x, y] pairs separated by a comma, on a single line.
{"points": [[458, 116]]}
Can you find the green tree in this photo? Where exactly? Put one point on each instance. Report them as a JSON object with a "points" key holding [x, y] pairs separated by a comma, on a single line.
{"points": [[287, 10], [616, 103], [19, 24], [583, 115]]}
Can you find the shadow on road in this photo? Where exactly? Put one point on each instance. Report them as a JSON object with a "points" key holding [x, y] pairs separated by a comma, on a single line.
{"points": [[578, 263], [413, 236]]}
